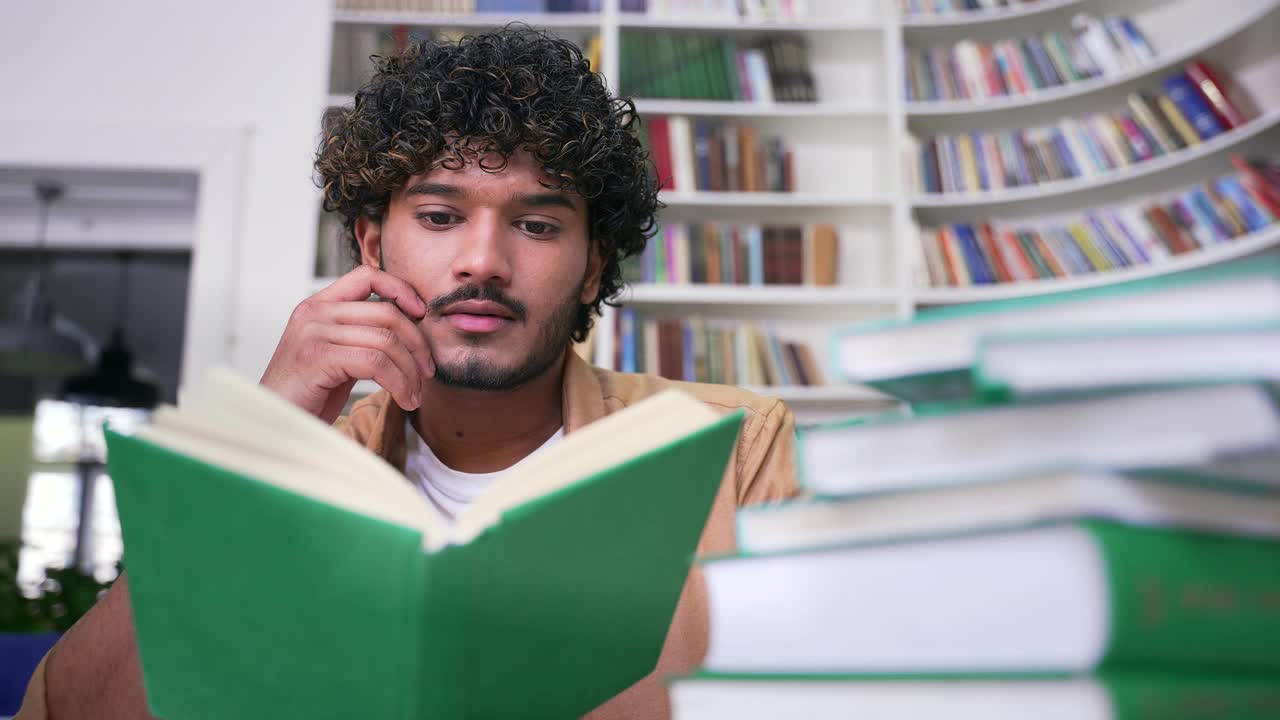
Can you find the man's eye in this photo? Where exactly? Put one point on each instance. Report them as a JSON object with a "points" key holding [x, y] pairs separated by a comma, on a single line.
{"points": [[534, 227], [437, 218]]}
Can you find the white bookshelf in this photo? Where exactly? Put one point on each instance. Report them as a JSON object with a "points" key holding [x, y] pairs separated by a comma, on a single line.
{"points": [[851, 148], [971, 18]]}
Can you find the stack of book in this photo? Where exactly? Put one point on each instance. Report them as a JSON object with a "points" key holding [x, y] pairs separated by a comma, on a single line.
{"points": [[698, 350], [466, 7], [1207, 215], [1196, 105], [702, 154], [718, 253], [974, 70], [944, 8], [701, 67], [1092, 531], [749, 10]]}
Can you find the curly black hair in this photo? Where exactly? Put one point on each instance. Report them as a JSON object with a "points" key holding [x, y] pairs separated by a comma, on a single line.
{"points": [[447, 103]]}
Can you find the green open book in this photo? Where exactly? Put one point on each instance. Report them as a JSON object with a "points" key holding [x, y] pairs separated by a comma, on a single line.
{"points": [[279, 570]]}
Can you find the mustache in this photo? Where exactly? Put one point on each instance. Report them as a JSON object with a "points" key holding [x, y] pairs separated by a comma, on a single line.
{"points": [[487, 293]]}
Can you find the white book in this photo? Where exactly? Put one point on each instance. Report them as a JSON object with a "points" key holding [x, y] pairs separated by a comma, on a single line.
{"points": [[680, 132], [1050, 495], [1093, 36]]}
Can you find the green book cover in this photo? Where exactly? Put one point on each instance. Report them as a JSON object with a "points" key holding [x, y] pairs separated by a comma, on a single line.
{"points": [[251, 600]]}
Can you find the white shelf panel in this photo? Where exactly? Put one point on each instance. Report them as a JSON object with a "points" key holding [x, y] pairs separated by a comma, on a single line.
{"points": [[719, 108], [739, 295], [1240, 247], [1218, 144], [584, 21], [693, 22], [772, 199], [970, 18], [1083, 87], [340, 100]]}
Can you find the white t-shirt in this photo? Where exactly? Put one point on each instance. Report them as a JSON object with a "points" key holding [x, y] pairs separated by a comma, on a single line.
{"points": [[447, 489]]}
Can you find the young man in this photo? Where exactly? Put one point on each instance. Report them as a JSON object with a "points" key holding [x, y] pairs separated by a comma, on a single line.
{"points": [[491, 187]]}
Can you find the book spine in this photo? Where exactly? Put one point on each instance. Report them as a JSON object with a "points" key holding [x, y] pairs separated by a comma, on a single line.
{"points": [[1212, 92], [1171, 606], [1184, 95]]}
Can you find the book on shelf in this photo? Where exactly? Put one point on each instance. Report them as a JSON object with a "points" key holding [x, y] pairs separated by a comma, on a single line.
{"points": [[720, 253], [339, 591], [711, 351], [975, 70], [466, 7], [958, 8], [705, 67], [1218, 211], [931, 357], [350, 63], [696, 154], [748, 10], [1087, 146]]}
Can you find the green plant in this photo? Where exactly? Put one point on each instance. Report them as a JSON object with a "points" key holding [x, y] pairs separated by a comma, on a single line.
{"points": [[65, 596]]}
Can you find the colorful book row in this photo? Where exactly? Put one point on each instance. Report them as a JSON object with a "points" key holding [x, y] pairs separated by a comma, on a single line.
{"points": [[708, 155], [1210, 214], [703, 67], [749, 10], [728, 254], [698, 350], [974, 70], [1195, 106], [933, 8]]}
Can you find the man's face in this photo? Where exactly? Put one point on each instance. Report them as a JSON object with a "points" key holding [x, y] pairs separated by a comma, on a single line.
{"points": [[502, 262]]}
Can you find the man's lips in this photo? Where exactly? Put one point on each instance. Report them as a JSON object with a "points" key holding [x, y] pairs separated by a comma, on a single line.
{"points": [[477, 316]]}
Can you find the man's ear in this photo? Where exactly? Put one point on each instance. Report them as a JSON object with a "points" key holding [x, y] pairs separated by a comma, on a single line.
{"points": [[595, 266], [369, 237]]}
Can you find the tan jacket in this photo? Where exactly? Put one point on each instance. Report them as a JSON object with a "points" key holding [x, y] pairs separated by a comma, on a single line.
{"points": [[760, 470]]}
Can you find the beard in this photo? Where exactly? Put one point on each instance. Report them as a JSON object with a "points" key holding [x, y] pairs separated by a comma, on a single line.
{"points": [[475, 371]]}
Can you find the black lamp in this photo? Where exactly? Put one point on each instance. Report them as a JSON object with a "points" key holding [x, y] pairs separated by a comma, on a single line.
{"points": [[29, 344]]}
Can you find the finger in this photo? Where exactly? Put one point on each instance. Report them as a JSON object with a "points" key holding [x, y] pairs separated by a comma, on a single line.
{"points": [[367, 280], [376, 338], [364, 363], [384, 315]]}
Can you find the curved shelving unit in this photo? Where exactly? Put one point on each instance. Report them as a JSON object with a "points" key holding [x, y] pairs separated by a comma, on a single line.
{"points": [[637, 21], [772, 199], [583, 21], [1240, 247], [1083, 87], [720, 108], [968, 19], [740, 295], [1222, 142]]}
